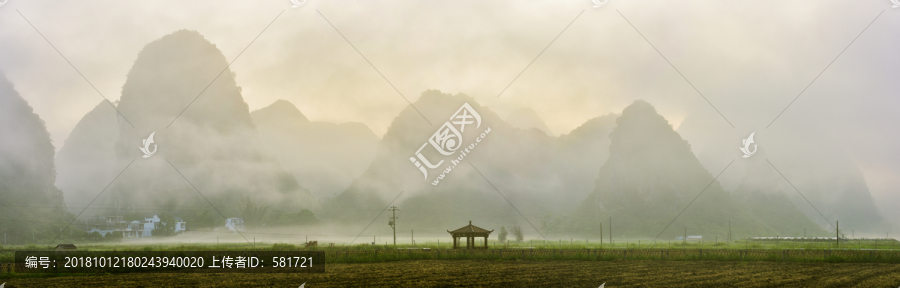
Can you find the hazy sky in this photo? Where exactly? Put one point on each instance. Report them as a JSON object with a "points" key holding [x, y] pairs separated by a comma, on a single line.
{"points": [[749, 58]]}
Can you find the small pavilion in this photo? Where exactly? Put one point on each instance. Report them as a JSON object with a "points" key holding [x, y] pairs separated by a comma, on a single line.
{"points": [[470, 232]]}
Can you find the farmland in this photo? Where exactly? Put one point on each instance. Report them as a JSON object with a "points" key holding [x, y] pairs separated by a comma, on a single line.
{"points": [[472, 273], [852, 250], [740, 263]]}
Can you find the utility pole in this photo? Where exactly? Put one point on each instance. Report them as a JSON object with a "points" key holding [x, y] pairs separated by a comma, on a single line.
{"points": [[685, 236], [837, 232], [729, 231], [393, 222], [601, 235], [610, 230]]}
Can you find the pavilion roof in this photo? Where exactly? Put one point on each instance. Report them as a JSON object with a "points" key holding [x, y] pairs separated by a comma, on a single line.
{"points": [[470, 229]]}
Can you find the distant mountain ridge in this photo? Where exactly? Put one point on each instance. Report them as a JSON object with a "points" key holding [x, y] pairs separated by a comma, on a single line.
{"points": [[650, 177], [29, 201], [325, 157], [810, 158], [526, 118], [87, 157], [204, 140], [538, 173]]}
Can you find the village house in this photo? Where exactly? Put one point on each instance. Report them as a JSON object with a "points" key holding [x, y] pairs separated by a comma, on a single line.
{"points": [[133, 229], [235, 224]]}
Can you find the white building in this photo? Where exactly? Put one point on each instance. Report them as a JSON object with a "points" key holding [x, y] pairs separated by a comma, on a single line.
{"points": [[137, 229], [101, 232], [234, 224], [132, 230], [180, 225], [150, 224], [690, 238]]}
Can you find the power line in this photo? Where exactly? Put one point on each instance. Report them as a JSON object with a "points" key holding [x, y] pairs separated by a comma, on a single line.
{"points": [[801, 194], [376, 217]]}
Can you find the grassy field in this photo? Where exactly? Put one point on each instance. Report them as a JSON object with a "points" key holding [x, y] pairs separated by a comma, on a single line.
{"points": [[504, 273], [570, 243]]}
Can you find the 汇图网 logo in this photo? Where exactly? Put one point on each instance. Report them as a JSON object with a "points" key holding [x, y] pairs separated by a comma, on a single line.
{"points": [[448, 140]]}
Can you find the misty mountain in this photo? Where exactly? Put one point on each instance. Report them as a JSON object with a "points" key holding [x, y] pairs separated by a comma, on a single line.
{"points": [[650, 177], [763, 193], [539, 174], [29, 201], [829, 179], [526, 118], [325, 157], [87, 157], [203, 138], [812, 159]]}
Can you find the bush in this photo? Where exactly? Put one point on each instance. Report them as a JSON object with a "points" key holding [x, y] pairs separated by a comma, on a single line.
{"points": [[518, 232], [502, 235]]}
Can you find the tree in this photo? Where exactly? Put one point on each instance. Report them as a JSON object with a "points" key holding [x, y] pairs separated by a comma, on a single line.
{"points": [[518, 232], [115, 236], [502, 235], [202, 219], [166, 226], [254, 215], [95, 236]]}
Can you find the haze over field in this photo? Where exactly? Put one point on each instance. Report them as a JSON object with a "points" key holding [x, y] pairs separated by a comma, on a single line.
{"points": [[300, 126]]}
